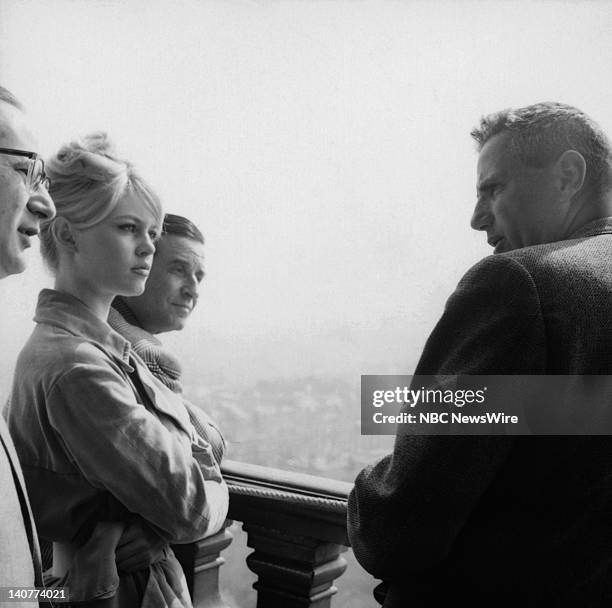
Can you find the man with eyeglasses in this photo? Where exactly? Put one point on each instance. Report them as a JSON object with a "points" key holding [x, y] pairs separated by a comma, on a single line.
{"points": [[24, 203], [24, 200]]}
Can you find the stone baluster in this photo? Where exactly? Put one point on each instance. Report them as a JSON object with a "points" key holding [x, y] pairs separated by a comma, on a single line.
{"points": [[202, 560], [296, 525], [293, 571]]}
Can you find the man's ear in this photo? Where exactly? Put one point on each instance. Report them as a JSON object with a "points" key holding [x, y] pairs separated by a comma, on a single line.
{"points": [[64, 234], [571, 170]]}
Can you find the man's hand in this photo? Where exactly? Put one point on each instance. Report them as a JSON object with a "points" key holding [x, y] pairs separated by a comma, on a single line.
{"points": [[138, 547]]}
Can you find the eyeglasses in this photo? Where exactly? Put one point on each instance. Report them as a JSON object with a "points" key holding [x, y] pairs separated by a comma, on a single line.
{"points": [[36, 176]]}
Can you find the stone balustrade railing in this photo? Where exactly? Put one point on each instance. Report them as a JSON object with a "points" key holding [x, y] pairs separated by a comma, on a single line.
{"points": [[296, 525]]}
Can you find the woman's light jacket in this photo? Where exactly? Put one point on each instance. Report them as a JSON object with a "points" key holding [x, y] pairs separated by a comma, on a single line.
{"points": [[94, 449]]}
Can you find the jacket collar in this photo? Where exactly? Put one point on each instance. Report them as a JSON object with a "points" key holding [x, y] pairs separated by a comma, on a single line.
{"points": [[603, 225], [66, 312]]}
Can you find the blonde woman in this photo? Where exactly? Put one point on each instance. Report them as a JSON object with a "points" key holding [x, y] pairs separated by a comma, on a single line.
{"points": [[114, 468]]}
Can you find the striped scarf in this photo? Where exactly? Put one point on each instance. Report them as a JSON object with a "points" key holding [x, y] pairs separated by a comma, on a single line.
{"points": [[161, 362], [166, 368]]}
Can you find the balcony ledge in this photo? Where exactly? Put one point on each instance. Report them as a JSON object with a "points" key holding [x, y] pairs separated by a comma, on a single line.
{"points": [[296, 524]]}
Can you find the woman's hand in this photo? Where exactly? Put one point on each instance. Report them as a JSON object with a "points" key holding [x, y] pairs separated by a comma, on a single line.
{"points": [[138, 547]]}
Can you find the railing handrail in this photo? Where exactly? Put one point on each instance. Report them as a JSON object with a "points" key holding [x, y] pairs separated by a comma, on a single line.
{"points": [[252, 475], [314, 506]]}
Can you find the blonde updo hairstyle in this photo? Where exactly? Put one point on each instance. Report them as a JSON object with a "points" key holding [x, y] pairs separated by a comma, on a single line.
{"points": [[88, 179]]}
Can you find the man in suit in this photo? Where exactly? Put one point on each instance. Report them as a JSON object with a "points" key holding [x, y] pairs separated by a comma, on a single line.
{"points": [[24, 202], [500, 520]]}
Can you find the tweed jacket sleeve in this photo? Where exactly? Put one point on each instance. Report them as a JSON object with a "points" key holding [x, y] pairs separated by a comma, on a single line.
{"points": [[406, 511]]}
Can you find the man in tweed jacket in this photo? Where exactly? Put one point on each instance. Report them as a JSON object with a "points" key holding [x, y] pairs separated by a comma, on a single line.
{"points": [[511, 521]]}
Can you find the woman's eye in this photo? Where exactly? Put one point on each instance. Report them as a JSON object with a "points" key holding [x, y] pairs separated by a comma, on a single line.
{"points": [[128, 227], [154, 236]]}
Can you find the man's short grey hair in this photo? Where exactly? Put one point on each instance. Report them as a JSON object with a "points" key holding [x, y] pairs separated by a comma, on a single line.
{"points": [[540, 133], [7, 97]]}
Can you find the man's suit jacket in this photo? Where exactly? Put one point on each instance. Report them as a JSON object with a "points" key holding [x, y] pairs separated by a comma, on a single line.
{"points": [[513, 520], [20, 564]]}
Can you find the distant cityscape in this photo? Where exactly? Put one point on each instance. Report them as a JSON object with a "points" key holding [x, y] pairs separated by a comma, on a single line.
{"points": [[308, 425]]}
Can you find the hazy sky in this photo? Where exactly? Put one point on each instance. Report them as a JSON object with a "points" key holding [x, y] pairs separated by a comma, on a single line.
{"points": [[323, 147]]}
